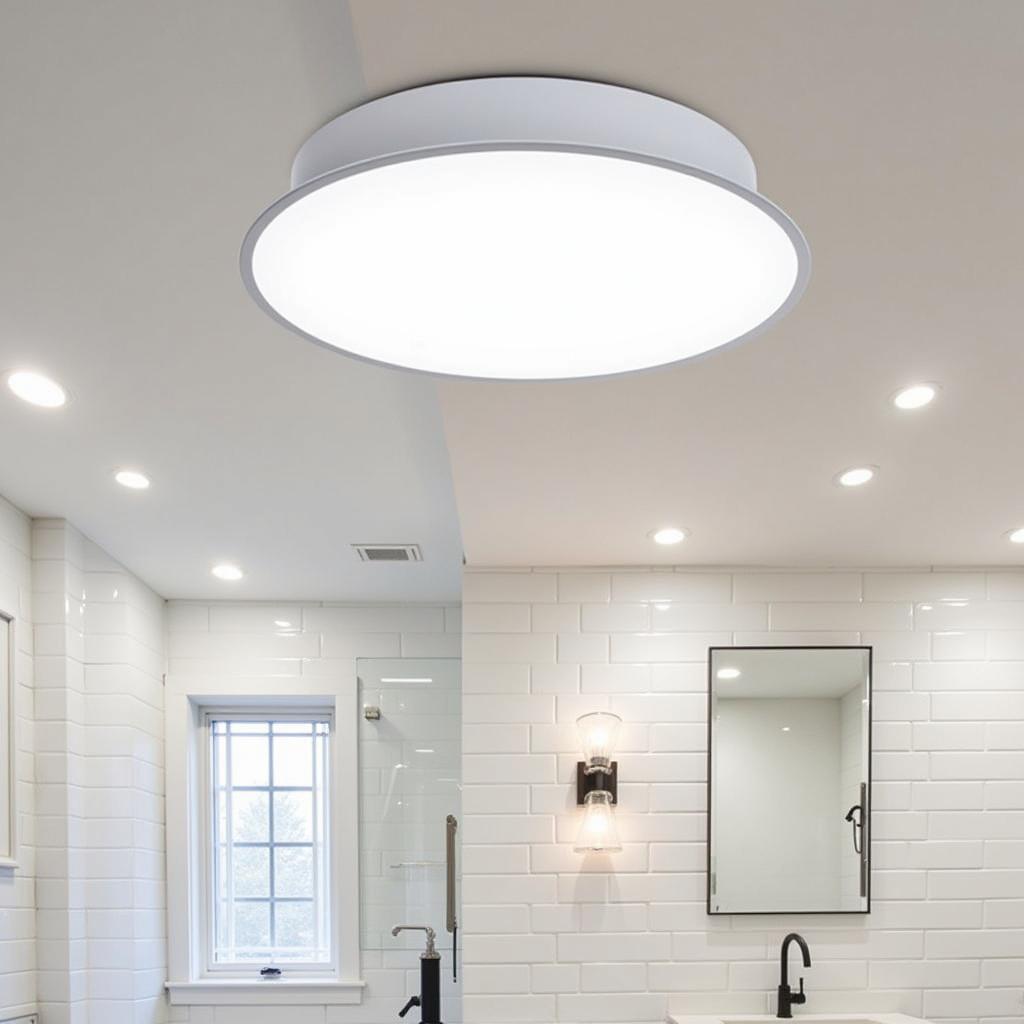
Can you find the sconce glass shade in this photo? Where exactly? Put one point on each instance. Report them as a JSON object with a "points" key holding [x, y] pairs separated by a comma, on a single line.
{"points": [[599, 731], [598, 831]]}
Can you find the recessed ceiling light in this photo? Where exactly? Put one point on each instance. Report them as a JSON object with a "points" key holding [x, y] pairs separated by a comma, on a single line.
{"points": [[1016, 536], [580, 229], [37, 389], [227, 571], [668, 535], [856, 476], [728, 673], [916, 396], [132, 478]]}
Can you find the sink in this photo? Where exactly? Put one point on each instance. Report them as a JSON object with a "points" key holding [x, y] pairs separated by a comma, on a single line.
{"points": [[806, 1018], [818, 1019]]}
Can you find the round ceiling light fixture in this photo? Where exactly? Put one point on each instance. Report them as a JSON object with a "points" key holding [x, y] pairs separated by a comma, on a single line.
{"points": [[1016, 536], [524, 229], [227, 571], [856, 477], [916, 396], [132, 479], [668, 535], [37, 389]]}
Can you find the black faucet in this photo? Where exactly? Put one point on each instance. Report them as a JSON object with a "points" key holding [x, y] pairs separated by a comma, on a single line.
{"points": [[786, 997], [429, 999]]}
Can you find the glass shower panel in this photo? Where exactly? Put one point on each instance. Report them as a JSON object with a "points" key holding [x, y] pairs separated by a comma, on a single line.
{"points": [[410, 760]]}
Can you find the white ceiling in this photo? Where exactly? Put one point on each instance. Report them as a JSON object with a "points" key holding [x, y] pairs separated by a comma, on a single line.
{"points": [[892, 134], [141, 140]]}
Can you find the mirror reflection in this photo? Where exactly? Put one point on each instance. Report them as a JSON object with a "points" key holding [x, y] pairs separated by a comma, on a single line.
{"points": [[789, 780]]}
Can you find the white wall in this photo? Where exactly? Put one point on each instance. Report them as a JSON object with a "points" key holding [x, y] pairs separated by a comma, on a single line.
{"points": [[17, 887], [554, 936], [244, 641], [123, 862], [99, 789]]}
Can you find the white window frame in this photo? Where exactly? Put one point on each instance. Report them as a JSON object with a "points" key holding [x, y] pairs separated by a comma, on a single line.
{"points": [[191, 982], [206, 815]]}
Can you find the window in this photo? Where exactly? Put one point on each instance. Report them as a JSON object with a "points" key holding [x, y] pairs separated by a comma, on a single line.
{"points": [[262, 841], [268, 854]]}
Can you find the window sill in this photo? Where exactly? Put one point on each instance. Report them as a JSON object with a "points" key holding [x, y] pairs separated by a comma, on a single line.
{"points": [[279, 992]]}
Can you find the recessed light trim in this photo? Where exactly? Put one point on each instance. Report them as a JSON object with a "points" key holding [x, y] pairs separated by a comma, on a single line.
{"points": [[227, 572], [668, 535], [915, 396], [856, 476], [132, 479], [531, 196], [37, 389], [1016, 536]]}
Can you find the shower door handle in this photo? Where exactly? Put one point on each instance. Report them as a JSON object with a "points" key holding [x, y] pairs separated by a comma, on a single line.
{"points": [[451, 922], [865, 839], [451, 826]]}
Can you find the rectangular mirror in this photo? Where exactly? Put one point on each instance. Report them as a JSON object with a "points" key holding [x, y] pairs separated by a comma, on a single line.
{"points": [[789, 780]]}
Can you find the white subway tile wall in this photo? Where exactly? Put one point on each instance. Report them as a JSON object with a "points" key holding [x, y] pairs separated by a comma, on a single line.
{"points": [[555, 936], [99, 656], [18, 948], [286, 642]]}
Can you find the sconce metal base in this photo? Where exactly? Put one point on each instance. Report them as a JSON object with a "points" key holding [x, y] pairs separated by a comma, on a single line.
{"points": [[599, 778]]}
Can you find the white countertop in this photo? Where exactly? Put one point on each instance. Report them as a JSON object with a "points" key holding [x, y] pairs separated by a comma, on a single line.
{"points": [[807, 1018]]}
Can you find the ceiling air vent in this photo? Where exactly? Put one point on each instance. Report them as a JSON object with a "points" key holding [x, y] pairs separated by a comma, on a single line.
{"points": [[389, 552]]}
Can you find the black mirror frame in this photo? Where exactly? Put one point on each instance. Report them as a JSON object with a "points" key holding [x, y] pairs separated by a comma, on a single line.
{"points": [[866, 833]]}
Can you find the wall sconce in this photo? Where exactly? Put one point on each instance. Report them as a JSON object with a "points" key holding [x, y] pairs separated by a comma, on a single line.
{"points": [[597, 782]]}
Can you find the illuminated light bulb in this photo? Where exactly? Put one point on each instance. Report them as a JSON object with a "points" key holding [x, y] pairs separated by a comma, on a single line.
{"points": [[598, 732], [597, 830]]}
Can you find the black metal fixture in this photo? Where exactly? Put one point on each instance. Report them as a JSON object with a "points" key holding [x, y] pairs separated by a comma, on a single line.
{"points": [[786, 997], [590, 779], [429, 999], [853, 816]]}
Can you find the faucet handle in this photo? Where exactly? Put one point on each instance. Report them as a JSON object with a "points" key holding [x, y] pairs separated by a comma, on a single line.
{"points": [[800, 997], [414, 1001]]}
